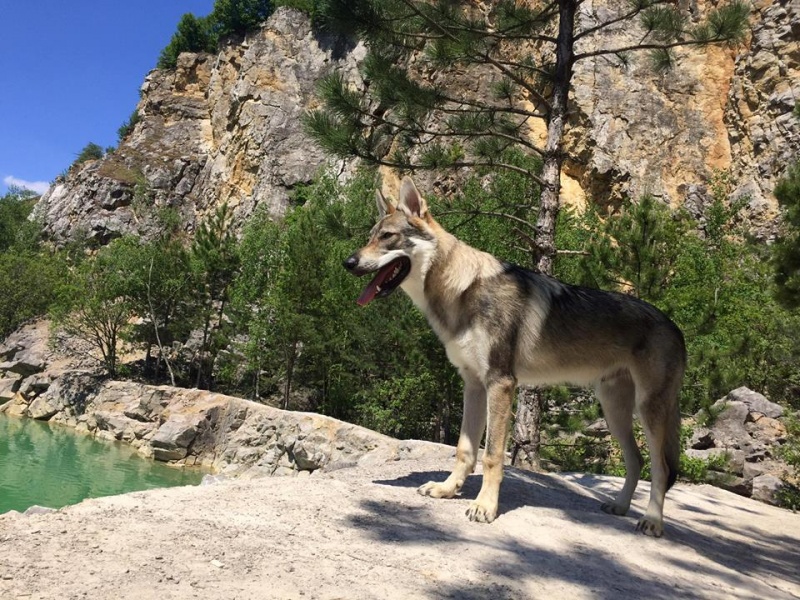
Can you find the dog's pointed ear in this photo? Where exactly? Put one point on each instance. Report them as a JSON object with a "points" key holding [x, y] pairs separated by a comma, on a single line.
{"points": [[385, 207], [411, 201]]}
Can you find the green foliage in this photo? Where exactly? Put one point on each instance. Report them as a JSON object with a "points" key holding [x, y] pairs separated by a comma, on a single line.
{"points": [[17, 231], [379, 366], [788, 495], [159, 274], [238, 16], [194, 34], [91, 151], [29, 281], [29, 275], [92, 304], [215, 263], [579, 453], [229, 17], [309, 7], [716, 288], [789, 452], [787, 247], [127, 127]]}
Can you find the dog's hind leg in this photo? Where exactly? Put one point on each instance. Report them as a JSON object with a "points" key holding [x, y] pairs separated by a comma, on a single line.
{"points": [[500, 395], [659, 412], [472, 427], [617, 397]]}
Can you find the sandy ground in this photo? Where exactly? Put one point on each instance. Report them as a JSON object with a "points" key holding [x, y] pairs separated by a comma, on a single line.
{"points": [[365, 533]]}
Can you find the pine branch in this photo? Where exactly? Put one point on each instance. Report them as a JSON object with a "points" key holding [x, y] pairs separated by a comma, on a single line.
{"points": [[637, 9], [637, 47], [490, 213], [485, 57]]}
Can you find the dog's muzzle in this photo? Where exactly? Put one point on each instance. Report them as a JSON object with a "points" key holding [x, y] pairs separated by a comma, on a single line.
{"points": [[350, 263]]}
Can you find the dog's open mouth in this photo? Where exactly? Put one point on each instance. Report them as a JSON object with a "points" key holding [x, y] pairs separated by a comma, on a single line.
{"points": [[386, 280]]}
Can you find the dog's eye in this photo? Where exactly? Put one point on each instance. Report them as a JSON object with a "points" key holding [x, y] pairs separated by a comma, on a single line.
{"points": [[385, 235]]}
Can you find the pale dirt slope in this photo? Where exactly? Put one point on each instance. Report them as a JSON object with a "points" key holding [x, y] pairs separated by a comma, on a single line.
{"points": [[365, 533]]}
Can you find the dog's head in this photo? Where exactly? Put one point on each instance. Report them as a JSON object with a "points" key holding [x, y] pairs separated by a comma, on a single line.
{"points": [[402, 239]]}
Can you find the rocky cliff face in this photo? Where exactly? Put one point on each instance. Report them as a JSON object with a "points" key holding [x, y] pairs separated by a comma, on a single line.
{"points": [[720, 110], [226, 128], [218, 129]]}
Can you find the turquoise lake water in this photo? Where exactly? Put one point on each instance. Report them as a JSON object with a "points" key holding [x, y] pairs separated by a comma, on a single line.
{"points": [[51, 465]]}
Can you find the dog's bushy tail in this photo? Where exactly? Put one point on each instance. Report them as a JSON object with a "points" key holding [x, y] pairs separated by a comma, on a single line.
{"points": [[672, 446], [672, 443]]}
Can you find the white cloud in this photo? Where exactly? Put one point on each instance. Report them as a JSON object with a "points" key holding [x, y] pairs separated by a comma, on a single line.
{"points": [[40, 187]]}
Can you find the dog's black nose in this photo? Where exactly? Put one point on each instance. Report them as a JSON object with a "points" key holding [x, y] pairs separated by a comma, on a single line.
{"points": [[350, 263]]}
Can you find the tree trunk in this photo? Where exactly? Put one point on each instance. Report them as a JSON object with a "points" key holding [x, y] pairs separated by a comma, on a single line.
{"points": [[527, 436], [526, 439], [287, 388]]}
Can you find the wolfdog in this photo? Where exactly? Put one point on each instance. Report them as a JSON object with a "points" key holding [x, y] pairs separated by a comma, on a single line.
{"points": [[502, 325]]}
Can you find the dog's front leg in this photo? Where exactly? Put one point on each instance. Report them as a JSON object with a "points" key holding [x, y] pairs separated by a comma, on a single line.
{"points": [[500, 394], [472, 426]]}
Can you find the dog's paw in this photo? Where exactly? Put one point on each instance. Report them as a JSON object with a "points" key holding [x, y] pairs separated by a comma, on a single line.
{"points": [[613, 508], [480, 513], [649, 526], [437, 490]]}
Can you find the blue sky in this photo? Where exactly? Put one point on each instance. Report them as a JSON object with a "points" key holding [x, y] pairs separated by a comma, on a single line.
{"points": [[71, 72]]}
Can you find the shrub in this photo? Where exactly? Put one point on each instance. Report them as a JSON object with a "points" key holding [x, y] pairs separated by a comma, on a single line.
{"points": [[127, 127], [91, 151], [238, 16], [194, 34]]}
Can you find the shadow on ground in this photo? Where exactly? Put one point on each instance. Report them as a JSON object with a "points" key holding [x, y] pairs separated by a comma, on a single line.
{"points": [[735, 551]]}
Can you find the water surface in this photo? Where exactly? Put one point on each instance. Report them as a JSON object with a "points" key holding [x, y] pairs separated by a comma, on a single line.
{"points": [[52, 465]]}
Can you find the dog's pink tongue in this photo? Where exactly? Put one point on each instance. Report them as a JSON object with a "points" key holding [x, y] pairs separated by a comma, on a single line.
{"points": [[368, 295]]}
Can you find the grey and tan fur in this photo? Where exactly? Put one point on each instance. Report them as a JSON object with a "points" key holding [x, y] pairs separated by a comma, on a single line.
{"points": [[502, 325]]}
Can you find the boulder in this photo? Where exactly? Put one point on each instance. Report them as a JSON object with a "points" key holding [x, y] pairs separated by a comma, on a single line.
{"points": [[766, 430], [755, 402], [8, 388], [732, 483], [597, 429], [765, 487], [172, 440], [702, 439], [116, 424], [26, 366], [43, 408], [34, 384], [728, 429]]}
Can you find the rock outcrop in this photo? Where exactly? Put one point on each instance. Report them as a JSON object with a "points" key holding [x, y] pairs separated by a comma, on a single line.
{"points": [[719, 111], [226, 128], [188, 427], [217, 129], [742, 443]]}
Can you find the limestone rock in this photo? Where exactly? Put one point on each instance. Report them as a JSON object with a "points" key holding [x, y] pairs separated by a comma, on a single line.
{"points": [[171, 441], [756, 403], [702, 439], [35, 384], [765, 487], [24, 367], [9, 387], [43, 408], [597, 429], [217, 129], [729, 430], [748, 438], [119, 426]]}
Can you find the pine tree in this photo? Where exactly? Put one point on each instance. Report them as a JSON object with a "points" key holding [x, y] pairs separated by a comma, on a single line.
{"points": [[216, 264], [409, 117], [787, 248]]}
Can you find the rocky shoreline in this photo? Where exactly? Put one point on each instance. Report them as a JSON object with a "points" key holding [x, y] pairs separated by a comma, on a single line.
{"points": [[237, 437], [186, 427]]}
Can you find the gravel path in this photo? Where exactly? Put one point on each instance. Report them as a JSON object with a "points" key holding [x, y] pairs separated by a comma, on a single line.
{"points": [[364, 533]]}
